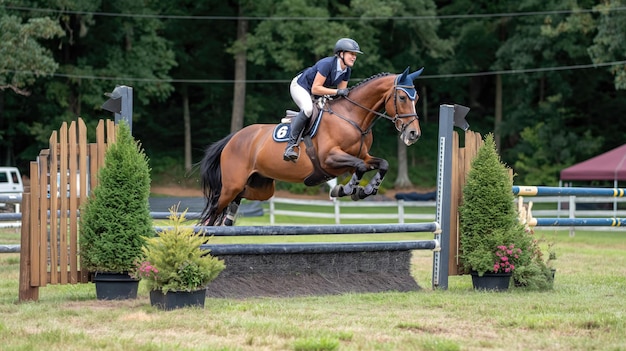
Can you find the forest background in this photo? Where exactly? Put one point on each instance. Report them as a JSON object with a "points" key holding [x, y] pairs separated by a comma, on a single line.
{"points": [[547, 77]]}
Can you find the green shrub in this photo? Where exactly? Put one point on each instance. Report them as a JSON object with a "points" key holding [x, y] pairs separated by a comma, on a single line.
{"points": [[174, 261], [488, 217], [115, 220]]}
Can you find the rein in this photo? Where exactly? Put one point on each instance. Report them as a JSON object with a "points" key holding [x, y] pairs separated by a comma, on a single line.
{"points": [[378, 114], [383, 115]]}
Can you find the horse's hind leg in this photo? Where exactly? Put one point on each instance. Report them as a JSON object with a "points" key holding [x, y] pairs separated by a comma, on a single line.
{"points": [[231, 212]]}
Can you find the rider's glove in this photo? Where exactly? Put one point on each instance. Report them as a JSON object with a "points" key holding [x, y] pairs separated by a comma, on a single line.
{"points": [[342, 92]]}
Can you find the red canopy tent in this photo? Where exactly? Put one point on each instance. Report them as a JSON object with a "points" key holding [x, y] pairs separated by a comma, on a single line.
{"points": [[610, 165]]}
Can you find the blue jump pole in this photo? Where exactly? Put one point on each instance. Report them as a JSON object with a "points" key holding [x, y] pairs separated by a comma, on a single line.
{"points": [[302, 248], [578, 222], [430, 227], [577, 191]]}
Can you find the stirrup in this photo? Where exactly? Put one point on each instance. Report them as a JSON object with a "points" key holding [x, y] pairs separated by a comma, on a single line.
{"points": [[291, 154]]}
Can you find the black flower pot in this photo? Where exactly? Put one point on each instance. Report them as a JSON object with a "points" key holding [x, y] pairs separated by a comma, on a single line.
{"points": [[115, 286], [177, 299], [491, 281]]}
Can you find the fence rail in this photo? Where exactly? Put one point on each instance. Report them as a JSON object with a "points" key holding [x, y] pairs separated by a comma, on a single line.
{"points": [[333, 209], [400, 216]]}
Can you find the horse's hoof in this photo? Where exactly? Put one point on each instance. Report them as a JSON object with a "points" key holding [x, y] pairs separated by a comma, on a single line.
{"points": [[359, 194], [336, 191]]}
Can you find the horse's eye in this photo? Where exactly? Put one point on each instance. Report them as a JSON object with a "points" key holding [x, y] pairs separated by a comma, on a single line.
{"points": [[402, 98]]}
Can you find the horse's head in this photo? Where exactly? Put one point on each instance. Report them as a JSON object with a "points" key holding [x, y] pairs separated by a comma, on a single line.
{"points": [[400, 104]]}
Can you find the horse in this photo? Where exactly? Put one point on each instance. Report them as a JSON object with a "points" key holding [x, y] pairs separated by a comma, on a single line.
{"points": [[246, 163]]}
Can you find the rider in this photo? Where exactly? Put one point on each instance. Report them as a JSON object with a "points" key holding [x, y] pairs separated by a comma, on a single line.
{"points": [[318, 80]]}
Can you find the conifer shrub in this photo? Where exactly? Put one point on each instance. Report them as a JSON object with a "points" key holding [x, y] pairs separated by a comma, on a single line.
{"points": [[488, 217], [115, 220], [174, 260]]}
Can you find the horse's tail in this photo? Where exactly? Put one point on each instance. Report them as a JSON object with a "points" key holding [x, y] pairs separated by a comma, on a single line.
{"points": [[211, 179]]}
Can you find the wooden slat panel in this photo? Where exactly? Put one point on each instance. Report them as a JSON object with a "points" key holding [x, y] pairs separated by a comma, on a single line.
{"points": [[52, 229], [111, 128], [75, 275], [27, 292], [44, 206], [55, 189], [100, 143], [453, 252], [33, 232], [68, 217], [60, 265], [465, 157]]}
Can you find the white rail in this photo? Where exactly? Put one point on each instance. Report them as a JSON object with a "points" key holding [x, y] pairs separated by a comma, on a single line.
{"points": [[334, 209]]}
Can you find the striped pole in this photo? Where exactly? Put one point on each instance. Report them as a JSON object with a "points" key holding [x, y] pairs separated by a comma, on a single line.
{"points": [[578, 222], [578, 191]]}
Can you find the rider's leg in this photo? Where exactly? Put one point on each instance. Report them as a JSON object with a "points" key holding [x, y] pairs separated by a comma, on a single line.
{"points": [[297, 125], [302, 98]]}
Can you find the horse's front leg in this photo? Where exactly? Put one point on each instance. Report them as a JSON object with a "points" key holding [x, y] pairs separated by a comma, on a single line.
{"points": [[350, 188], [343, 160], [374, 184]]}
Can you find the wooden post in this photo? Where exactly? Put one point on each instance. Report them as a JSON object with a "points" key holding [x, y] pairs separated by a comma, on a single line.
{"points": [[27, 292]]}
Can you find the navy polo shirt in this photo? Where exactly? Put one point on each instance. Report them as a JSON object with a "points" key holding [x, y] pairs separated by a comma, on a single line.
{"points": [[328, 68]]}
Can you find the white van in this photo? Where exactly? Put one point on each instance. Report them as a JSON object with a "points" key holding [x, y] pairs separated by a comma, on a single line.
{"points": [[10, 181]]}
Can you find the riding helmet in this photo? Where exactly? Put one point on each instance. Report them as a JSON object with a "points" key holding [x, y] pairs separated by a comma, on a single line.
{"points": [[347, 44]]}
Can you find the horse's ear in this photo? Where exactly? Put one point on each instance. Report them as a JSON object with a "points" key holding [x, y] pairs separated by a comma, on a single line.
{"points": [[415, 74], [403, 75]]}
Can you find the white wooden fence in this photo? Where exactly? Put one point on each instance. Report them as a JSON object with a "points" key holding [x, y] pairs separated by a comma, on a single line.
{"points": [[400, 216], [575, 208]]}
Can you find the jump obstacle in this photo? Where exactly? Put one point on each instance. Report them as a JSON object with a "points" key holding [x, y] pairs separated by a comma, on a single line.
{"points": [[315, 268], [49, 245], [568, 191]]}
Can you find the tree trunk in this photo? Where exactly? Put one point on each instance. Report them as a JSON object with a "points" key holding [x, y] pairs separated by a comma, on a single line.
{"points": [[239, 92], [424, 98], [187, 126], [498, 118], [402, 181]]}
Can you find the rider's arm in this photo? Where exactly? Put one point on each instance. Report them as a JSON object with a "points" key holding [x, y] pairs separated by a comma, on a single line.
{"points": [[319, 89]]}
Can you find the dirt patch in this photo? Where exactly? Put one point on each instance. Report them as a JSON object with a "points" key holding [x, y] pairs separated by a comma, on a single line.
{"points": [[306, 274]]}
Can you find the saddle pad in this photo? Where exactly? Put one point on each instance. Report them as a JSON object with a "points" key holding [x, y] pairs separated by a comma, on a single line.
{"points": [[283, 130]]}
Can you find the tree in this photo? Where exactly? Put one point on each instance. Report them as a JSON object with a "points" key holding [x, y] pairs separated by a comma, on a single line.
{"points": [[609, 44], [24, 60], [239, 91]]}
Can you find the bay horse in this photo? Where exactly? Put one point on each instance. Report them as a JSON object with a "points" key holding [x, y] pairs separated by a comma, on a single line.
{"points": [[245, 164]]}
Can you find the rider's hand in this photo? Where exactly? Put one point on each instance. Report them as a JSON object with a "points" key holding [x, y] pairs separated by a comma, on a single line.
{"points": [[342, 92]]}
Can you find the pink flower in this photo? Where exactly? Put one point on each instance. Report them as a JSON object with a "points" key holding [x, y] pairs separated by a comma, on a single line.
{"points": [[506, 255]]}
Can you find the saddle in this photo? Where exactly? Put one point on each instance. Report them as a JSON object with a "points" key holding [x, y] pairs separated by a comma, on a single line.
{"points": [[318, 176]]}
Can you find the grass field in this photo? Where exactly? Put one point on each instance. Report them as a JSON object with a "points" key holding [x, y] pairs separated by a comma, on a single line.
{"points": [[585, 311]]}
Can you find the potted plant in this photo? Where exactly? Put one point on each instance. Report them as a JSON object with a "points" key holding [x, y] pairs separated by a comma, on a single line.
{"points": [[115, 220], [491, 234], [175, 268], [538, 274]]}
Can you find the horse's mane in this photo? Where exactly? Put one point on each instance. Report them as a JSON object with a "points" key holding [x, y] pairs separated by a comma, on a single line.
{"points": [[383, 74]]}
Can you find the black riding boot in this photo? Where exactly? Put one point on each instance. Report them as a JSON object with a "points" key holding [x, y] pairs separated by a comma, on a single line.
{"points": [[297, 125]]}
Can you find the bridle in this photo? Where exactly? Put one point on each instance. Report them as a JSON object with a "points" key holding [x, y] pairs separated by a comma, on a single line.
{"points": [[384, 115]]}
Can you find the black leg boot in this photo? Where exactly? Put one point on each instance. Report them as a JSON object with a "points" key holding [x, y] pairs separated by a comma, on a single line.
{"points": [[297, 125]]}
